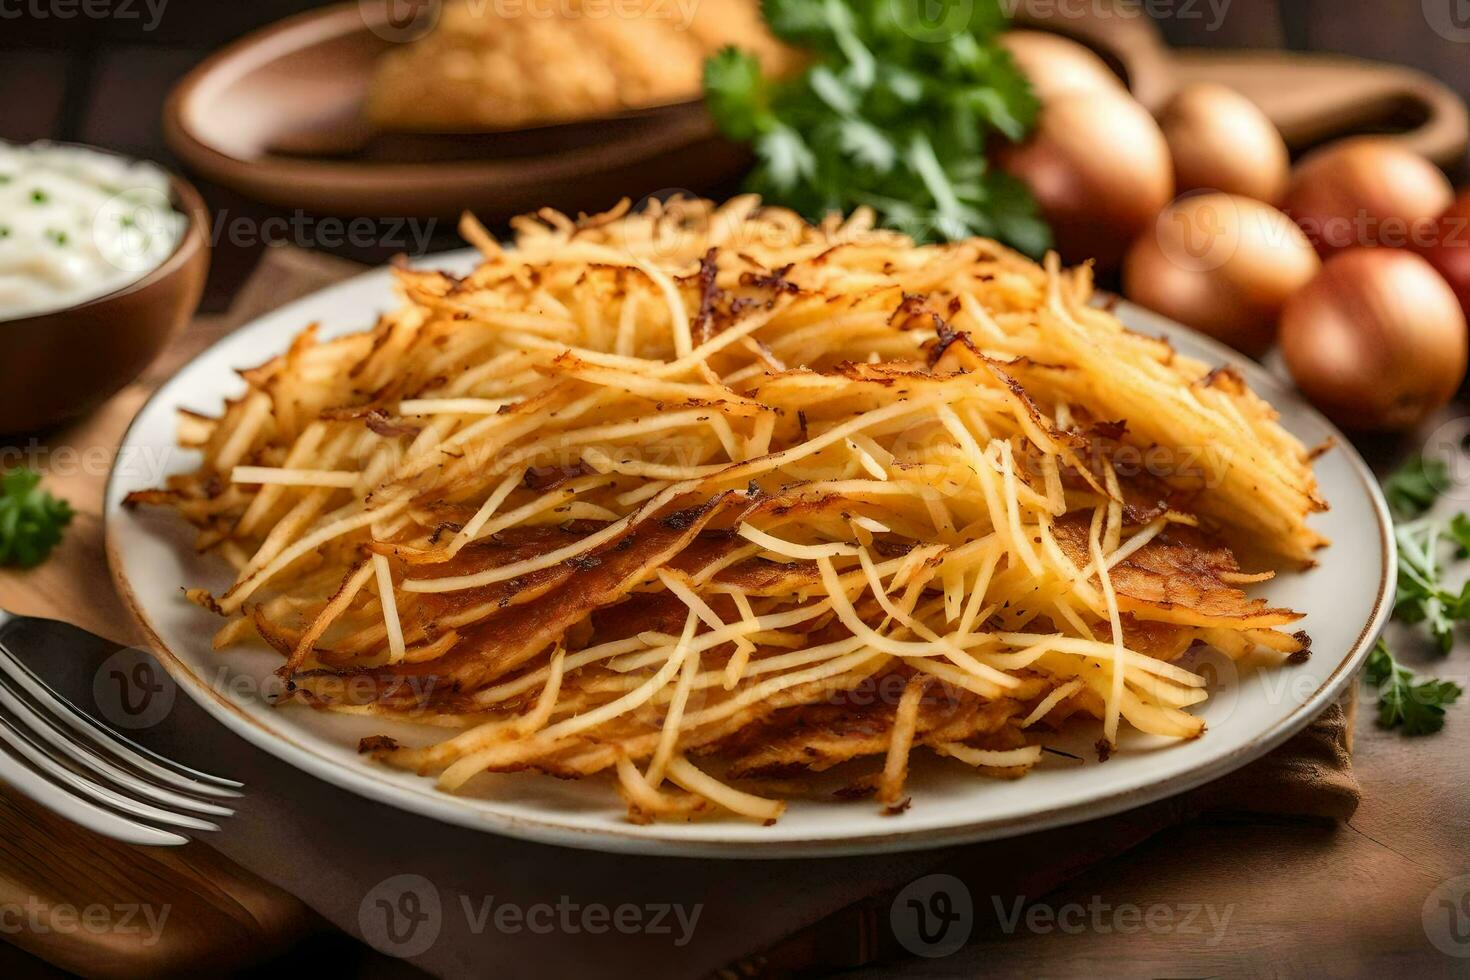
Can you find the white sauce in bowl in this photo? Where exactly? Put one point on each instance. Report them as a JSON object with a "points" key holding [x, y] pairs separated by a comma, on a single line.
{"points": [[76, 224]]}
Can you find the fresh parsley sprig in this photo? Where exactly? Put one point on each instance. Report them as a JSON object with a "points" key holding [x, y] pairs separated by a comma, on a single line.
{"points": [[1417, 705], [894, 112], [31, 520], [1421, 596], [1404, 701], [1414, 487]]}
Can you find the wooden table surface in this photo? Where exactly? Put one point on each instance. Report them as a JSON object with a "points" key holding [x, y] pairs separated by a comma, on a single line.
{"points": [[1206, 899], [1294, 900]]}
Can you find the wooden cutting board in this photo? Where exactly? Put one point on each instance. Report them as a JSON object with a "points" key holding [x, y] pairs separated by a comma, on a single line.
{"points": [[278, 117], [1312, 98]]}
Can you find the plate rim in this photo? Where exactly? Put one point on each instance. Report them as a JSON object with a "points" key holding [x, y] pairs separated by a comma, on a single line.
{"points": [[458, 811]]}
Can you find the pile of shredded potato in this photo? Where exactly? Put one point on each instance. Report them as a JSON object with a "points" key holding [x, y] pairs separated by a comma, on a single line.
{"points": [[707, 498]]}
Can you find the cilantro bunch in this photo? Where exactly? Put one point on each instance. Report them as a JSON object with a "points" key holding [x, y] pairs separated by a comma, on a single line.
{"points": [[894, 112], [31, 520]]}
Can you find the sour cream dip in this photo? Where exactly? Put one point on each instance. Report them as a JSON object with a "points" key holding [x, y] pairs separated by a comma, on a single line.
{"points": [[76, 224]]}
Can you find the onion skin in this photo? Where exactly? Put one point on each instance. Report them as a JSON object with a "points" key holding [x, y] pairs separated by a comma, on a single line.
{"points": [[1377, 341], [1366, 192], [1056, 65], [1221, 141], [1449, 249], [1100, 171], [1222, 264]]}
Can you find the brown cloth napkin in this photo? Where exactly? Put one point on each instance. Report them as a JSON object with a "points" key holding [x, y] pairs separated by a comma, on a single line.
{"points": [[347, 858]]}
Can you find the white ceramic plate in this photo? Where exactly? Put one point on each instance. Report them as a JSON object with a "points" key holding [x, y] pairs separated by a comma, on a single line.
{"points": [[1346, 598]]}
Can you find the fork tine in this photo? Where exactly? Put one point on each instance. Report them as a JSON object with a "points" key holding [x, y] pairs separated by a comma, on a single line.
{"points": [[26, 781], [112, 742], [38, 724], [12, 735]]}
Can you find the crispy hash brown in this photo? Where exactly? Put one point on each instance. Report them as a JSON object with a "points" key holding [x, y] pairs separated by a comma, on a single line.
{"points": [[707, 494]]}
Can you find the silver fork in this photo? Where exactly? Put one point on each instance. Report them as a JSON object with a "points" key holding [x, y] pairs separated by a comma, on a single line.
{"points": [[78, 768]]}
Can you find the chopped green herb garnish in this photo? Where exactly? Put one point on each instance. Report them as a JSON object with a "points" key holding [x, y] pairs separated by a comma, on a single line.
{"points": [[39, 196], [894, 113], [31, 520], [1459, 529], [1414, 487], [1421, 596], [59, 237], [1404, 700]]}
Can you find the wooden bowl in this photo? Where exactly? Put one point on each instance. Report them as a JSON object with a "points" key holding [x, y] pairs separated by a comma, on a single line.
{"points": [[278, 117], [62, 363]]}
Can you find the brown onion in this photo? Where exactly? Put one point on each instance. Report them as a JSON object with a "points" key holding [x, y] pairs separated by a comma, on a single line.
{"points": [[1377, 340], [1448, 248], [1222, 264], [1100, 171], [1221, 141], [1055, 65], [1366, 191]]}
